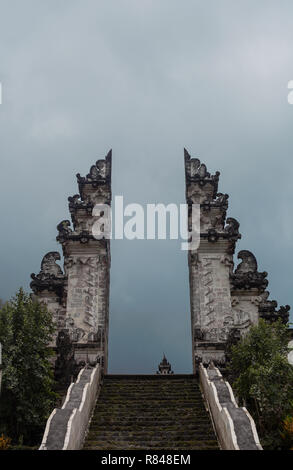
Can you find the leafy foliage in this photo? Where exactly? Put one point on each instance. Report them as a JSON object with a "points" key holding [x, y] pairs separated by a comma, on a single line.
{"points": [[26, 328], [263, 378]]}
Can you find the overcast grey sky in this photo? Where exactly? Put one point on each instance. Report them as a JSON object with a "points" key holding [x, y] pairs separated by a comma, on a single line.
{"points": [[146, 78]]}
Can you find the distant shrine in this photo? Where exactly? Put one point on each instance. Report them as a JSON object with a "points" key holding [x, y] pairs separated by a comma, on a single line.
{"points": [[164, 367]]}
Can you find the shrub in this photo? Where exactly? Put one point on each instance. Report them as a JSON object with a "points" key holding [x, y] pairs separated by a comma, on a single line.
{"points": [[26, 328], [263, 378]]}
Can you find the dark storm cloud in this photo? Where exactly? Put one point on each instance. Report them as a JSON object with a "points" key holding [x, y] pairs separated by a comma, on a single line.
{"points": [[146, 78]]}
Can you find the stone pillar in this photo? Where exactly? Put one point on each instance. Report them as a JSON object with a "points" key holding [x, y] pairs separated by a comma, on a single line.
{"points": [[210, 265], [211, 316], [224, 304], [87, 267], [79, 297]]}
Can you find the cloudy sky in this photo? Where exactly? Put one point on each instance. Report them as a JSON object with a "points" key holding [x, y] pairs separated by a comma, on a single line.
{"points": [[146, 78]]}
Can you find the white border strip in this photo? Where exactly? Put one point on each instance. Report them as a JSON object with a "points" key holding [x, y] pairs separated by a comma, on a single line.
{"points": [[67, 396], [93, 375], [80, 374], [216, 396], [253, 428], [84, 393], [68, 431], [231, 394], [44, 441], [232, 429], [221, 412]]}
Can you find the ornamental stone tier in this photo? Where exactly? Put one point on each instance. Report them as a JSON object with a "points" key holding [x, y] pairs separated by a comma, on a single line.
{"points": [[224, 302], [78, 297]]}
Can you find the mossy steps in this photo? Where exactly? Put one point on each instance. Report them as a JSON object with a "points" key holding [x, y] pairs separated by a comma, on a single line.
{"points": [[150, 412]]}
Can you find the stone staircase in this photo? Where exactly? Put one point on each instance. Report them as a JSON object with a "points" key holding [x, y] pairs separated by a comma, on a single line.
{"points": [[150, 412]]}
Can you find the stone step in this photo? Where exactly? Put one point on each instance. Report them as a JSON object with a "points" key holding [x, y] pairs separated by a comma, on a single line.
{"points": [[153, 411], [154, 435], [157, 391], [154, 401], [151, 396], [152, 426], [148, 390], [149, 378], [156, 409], [179, 445], [150, 412], [152, 439], [149, 428], [159, 394], [148, 420], [135, 409], [149, 386], [158, 382], [152, 386], [147, 393], [161, 421], [152, 404]]}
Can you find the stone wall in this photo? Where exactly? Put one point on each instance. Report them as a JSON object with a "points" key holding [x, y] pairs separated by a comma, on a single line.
{"points": [[234, 426], [66, 426]]}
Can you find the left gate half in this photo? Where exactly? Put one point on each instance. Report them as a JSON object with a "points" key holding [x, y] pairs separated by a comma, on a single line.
{"points": [[78, 296]]}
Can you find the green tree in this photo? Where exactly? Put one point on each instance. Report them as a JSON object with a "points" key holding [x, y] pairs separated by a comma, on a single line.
{"points": [[263, 378], [26, 328]]}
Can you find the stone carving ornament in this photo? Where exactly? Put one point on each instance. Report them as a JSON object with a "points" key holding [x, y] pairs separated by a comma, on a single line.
{"points": [[248, 263], [49, 265], [246, 275], [50, 277]]}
